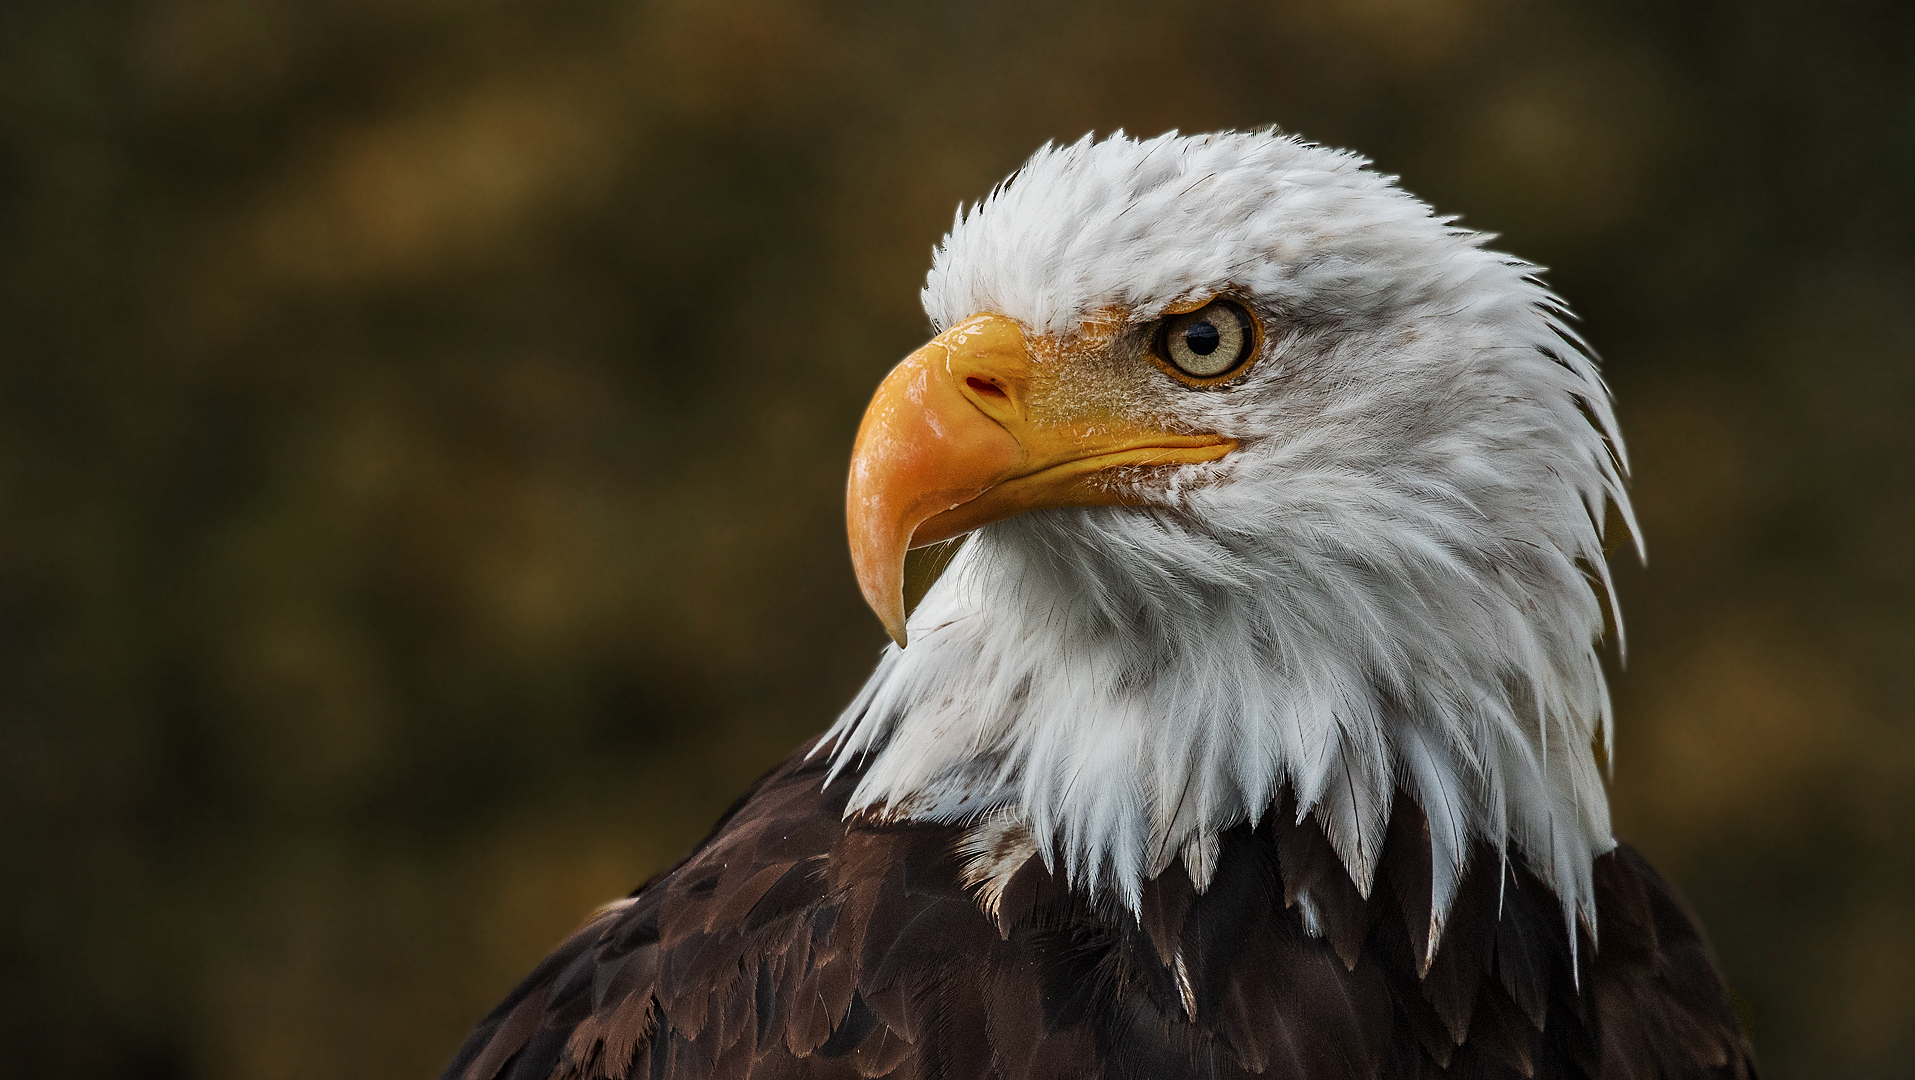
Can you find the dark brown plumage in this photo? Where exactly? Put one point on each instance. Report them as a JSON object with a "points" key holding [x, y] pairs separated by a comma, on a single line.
{"points": [[792, 943]]}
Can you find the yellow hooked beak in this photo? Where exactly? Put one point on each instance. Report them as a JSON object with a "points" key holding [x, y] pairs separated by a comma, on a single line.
{"points": [[948, 445]]}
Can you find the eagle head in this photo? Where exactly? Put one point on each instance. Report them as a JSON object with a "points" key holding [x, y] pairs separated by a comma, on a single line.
{"points": [[1270, 478]]}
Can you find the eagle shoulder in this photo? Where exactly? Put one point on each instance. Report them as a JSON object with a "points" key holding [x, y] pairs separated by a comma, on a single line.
{"points": [[795, 943]]}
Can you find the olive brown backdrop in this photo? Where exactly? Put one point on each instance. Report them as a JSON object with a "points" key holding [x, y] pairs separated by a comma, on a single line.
{"points": [[423, 424]]}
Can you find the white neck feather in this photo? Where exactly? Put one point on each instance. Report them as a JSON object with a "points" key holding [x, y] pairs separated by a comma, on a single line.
{"points": [[1130, 710]]}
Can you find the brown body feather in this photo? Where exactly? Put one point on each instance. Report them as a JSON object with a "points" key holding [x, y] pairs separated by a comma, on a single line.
{"points": [[793, 943]]}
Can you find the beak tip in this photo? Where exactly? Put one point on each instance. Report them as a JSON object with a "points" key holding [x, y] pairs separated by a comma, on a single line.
{"points": [[882, 582], [892, 616]]}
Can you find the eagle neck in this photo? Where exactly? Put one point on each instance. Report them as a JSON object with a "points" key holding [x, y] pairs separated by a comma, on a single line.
{"points": [[1097, 681]]}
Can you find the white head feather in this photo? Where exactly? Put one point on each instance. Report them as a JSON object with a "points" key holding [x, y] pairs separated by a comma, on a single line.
{"points": [[1395, 581]]}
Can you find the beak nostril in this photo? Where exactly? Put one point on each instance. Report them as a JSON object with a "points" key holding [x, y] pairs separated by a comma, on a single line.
{"points": [[985, 386]]}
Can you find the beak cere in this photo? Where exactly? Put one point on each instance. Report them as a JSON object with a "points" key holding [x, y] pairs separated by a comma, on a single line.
{"points": [[947, 445]]}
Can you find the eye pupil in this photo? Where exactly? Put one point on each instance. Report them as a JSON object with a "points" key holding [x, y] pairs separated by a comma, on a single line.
{"points": [[1202, 338]]}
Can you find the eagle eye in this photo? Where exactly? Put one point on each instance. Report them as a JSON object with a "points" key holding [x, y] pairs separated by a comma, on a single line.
{"points": [[1209, 344]]}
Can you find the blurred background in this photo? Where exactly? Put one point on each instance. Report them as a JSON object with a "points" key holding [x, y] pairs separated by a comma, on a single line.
{"points": [[423, 422]]}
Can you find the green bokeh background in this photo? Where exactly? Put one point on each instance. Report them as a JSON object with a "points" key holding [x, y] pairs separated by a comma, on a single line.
{"points": [[422, 427]]}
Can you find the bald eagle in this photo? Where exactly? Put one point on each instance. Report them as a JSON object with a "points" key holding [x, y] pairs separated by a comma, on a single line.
{"points": [[1254, 727]]}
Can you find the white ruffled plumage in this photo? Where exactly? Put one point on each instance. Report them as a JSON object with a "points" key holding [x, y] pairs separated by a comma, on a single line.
{"points": [[1396, 581]]}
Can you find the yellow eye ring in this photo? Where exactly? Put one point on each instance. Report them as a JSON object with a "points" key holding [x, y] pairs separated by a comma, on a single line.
{"points": [[1208, 346]]}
